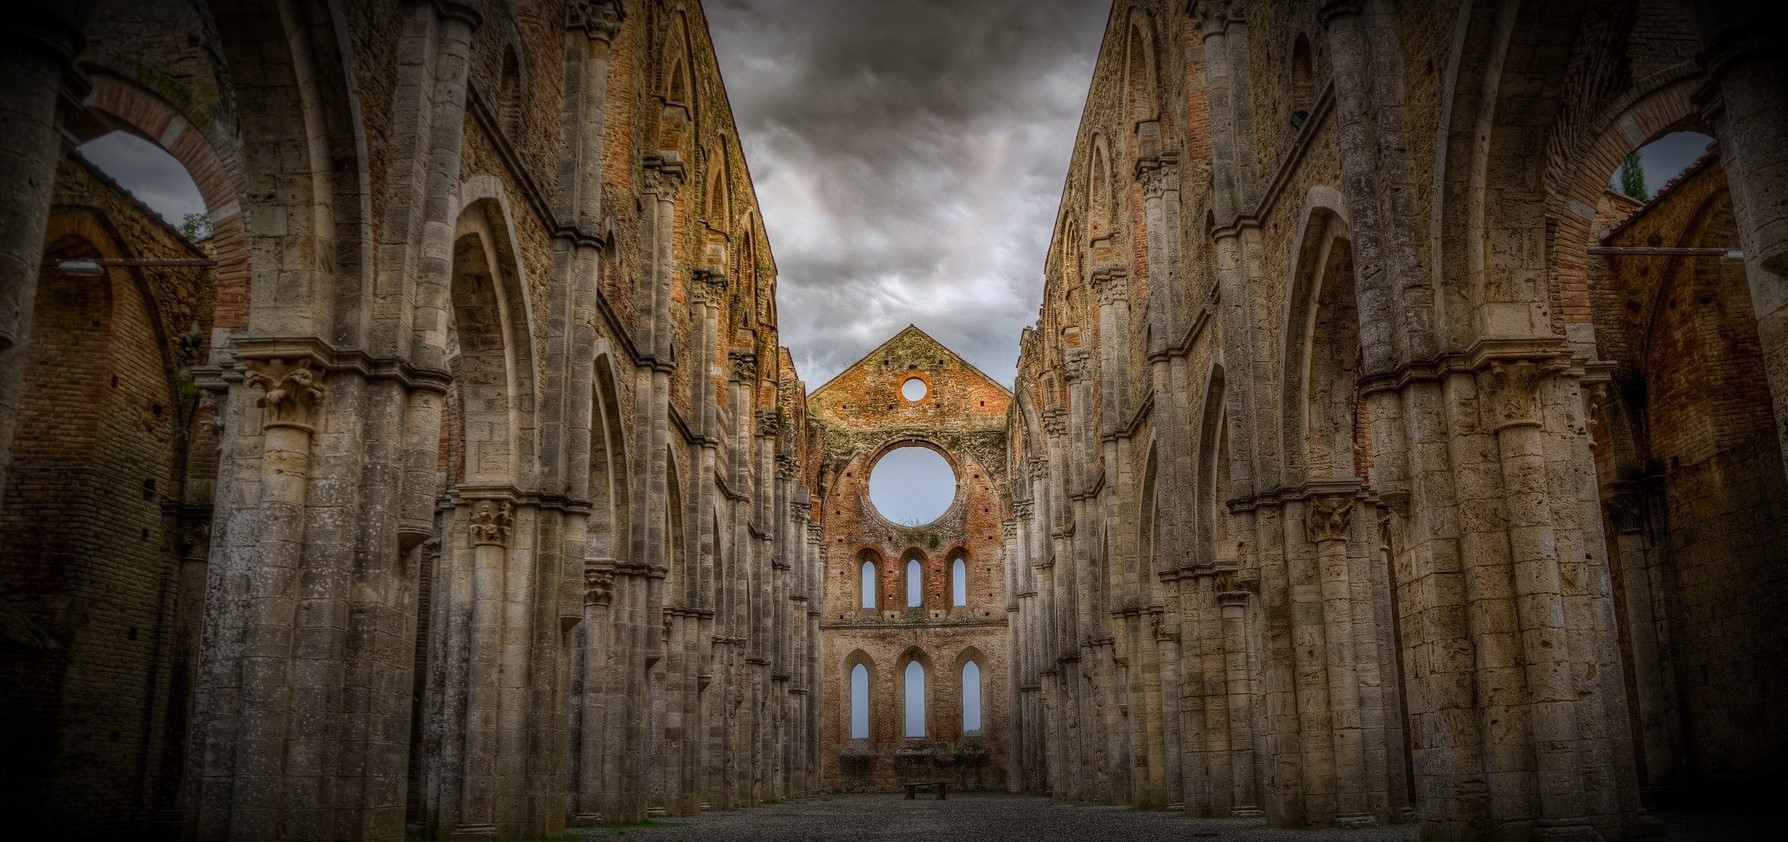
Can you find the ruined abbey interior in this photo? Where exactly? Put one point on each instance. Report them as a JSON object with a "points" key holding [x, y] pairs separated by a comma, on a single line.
{"points": [[1370, 461]]}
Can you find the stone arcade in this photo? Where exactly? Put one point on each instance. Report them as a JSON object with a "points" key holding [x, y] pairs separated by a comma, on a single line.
{"points": [[1369, 461]]}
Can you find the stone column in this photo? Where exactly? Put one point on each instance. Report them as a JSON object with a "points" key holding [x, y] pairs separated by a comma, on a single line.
{"points": [[40, 41], [292, 400], [489, 525], [1630, 511], [597, 699], [1746, 74], [1327, 523], [1245, 798]]}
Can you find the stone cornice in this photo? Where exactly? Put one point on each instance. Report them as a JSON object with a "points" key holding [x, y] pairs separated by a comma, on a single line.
{"points": [[1553, 351], [323, 358]]}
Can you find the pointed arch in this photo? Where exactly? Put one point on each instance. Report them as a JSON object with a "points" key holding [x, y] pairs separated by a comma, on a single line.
{"points": [[869, 569], [915, 693], [1141, 91], [859, 695], [488, 345], [1101, 209], [957, 560], [969, 673], [608, 465], [1321, 313], [912, 566], [1210, 518]]}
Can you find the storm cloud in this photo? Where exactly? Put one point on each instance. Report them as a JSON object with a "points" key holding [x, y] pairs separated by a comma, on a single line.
{"points": [[908, 159]]}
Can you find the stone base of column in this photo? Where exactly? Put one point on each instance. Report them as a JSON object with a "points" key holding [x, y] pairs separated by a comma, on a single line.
{"points": [[656, 812], [473, 831], [585, 820], [1247, 811], [1355, 820]]}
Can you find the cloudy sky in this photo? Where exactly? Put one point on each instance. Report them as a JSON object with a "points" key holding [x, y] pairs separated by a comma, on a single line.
{"points": [[909, 156]]}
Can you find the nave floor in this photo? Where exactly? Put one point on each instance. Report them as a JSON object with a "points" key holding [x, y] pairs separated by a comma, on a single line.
{"points": [[978, 817]]}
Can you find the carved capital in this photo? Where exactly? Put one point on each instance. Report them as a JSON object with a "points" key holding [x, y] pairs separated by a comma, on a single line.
{"points": [[293, 392], [1009, 530], [599, 584], [1112, 285], [1158, 175], [1511, 393], [491, 524], [1327, 517], [1039, 467], [1055, 421], [786, 466], [1023, 509], [744, 366], [1077, 366], [664, 174], [707, 288], [599, 19], [1333, 10], [1211, 17], [1629, 511]]}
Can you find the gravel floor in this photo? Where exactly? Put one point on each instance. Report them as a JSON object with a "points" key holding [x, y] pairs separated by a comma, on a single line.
{"points": [[972, 818]]}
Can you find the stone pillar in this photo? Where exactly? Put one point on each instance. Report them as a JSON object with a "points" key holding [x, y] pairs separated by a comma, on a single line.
{"points": [[597, 699], [292, 400], [1245, 798], [489, 526], [1630, 512], [40, 41], [1327, 523], [1746, 74]]}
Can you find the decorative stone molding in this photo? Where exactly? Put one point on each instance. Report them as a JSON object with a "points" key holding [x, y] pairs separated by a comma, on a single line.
{"points": [[1009, 530], [293, 393], [599, 19], [1512, 392], [1327, 517], [599, 584], [1077, 366], [1055, 421], [1629, 511], [786, 466], [1329, 11], [1161, 629], [1023, 509], [708, 288], [1212, 17], [744, 366], [1111, 283], [664, 175], [491, 523], [769, 423], [1158, 175]]}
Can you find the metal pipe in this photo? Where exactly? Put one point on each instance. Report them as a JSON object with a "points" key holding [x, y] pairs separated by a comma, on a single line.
{"points": [[1657, 251]]}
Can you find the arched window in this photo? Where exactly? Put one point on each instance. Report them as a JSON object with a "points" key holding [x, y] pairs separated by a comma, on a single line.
{"points": [[915, 584], [959, 582], [868, 587], [971, 699], [859, 702], [915, 700]]}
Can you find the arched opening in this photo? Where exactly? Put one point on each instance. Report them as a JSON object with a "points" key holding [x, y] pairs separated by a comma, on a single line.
{"points": [[1303, 83], [154, 177], [915, 582], [959, 581], [913, 686], [1100, 197], [971, 699], [859, 708], [509, 96], [866, 586]]}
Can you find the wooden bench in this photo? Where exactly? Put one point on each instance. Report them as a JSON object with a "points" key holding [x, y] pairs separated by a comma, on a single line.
{"points": [[912, 789]]}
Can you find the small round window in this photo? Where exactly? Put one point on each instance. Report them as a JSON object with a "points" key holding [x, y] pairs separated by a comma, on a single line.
{"points": [[914, 389], [912, 485]]}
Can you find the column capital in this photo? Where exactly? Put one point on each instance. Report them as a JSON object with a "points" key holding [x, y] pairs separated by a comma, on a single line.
{"points": [[1327, 517], [707, 288], [293, 393], [599, 19], [743, 366], [1212, 17], [1111, 284], [664, 174], [599, 583], [1333, 10], [491, 523], [1077, 365], [1510, 391], [1023, 509], [1158, 175], [1055, 421]]}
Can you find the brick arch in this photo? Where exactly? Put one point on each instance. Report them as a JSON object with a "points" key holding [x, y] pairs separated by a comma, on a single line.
{"points": [[124, 105], [1656, 106]]}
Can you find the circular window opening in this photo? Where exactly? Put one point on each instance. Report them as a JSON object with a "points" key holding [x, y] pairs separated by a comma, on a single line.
{"points": [[914, 389], [912, 485]]}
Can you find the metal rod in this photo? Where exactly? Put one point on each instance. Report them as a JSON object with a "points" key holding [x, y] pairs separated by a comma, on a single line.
{"points": [[1658, 251], [133, 262]]}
